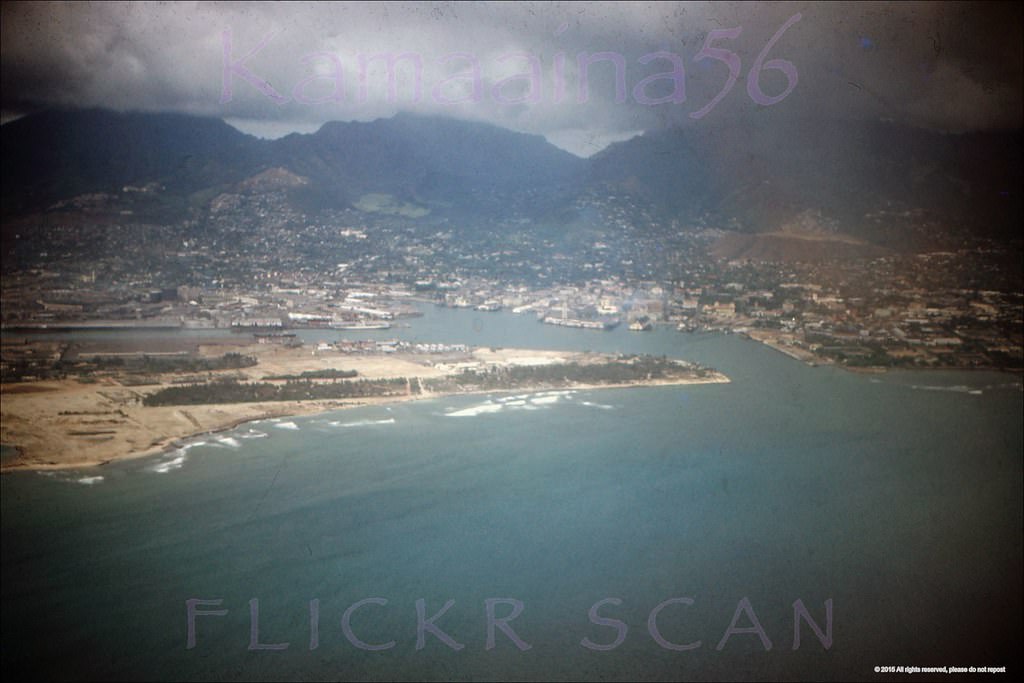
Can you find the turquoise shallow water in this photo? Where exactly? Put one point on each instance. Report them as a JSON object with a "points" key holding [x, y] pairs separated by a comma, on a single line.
{"points": [[896, 497]]}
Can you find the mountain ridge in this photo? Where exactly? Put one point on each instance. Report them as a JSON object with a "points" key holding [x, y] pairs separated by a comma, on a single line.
{"points": [[872, 179]]}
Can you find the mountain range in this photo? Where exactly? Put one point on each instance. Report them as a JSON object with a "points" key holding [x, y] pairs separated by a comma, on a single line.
{"points": [[879, 182]]}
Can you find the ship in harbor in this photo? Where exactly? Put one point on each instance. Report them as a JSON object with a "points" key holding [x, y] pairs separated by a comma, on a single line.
{"points": [[587, 323], [600, 324], [359, 325], [641, 324]]}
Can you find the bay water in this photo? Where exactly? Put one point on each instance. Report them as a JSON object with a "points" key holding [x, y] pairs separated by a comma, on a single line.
{"points": [[889, 506]]}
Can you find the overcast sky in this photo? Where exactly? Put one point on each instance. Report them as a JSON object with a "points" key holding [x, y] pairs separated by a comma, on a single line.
{"points": [[270, 69]]}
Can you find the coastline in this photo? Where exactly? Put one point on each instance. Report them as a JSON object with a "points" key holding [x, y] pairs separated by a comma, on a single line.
{"points": [[61, 425], [26, 462], [809, 358]]}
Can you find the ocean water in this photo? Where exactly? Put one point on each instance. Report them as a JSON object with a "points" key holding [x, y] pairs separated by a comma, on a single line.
{"points": [[896, 499]]}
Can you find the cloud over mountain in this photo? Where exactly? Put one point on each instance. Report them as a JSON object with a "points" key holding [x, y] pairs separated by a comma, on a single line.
{"points": [[948, 66]]}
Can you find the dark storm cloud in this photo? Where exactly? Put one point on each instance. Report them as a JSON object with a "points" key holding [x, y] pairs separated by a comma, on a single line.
{"points": [[940, 65]]}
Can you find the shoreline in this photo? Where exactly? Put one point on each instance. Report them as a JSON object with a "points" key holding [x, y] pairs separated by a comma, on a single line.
{"points": [[263, 411], [813, 360]]}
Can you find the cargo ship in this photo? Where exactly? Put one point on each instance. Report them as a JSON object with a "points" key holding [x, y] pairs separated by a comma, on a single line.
{"points": [[360, 325], [603, 324], [641, 324]]}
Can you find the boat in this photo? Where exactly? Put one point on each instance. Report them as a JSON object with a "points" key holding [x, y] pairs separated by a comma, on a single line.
{"points": [[641, 324], [359, 325], [604, 324]]}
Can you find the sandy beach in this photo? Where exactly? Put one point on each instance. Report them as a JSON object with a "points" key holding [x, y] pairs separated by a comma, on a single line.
{"points": [[69, 424]]}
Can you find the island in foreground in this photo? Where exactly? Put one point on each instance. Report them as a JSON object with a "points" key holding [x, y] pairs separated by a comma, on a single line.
{"points": [[114, 406]]}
